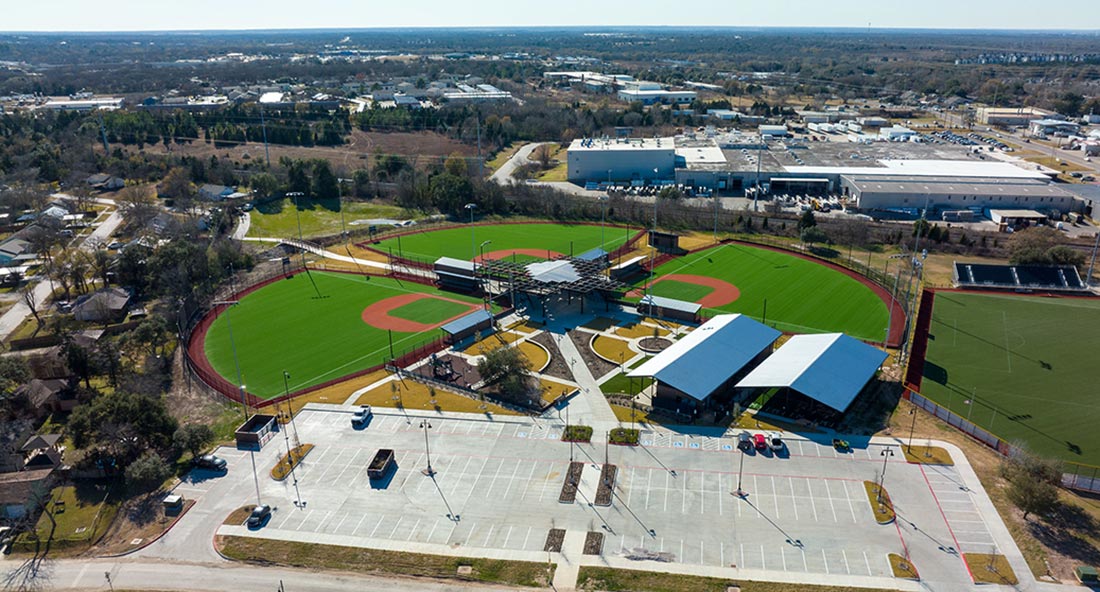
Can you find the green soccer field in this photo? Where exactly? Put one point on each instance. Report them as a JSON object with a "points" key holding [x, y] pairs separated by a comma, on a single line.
{"points": [[457, 241], [1027, 365], [802, 296], [284, 326]]}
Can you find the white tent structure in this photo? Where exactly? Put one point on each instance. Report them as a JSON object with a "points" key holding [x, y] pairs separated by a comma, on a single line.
{"points": [[830, 368]]}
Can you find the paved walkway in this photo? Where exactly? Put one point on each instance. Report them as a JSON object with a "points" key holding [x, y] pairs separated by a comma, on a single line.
{"points": [[244, 222], [503, 175], [598, 413]]}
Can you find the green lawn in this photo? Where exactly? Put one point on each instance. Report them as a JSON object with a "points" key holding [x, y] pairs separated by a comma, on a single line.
{"points": [[429, 311], [457, 242], [1027, 365], [319, 217], [802, 296], [284, 326], [680, 290], [82, 513], [622, 384]]}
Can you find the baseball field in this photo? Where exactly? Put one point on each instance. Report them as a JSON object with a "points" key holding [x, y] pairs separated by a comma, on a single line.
{"points": [[802, 296], [531, 241], [1021, 367], [286, 326]]}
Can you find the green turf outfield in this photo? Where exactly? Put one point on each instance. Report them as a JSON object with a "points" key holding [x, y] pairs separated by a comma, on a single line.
{"points": [[802, 296], [680, 290], [284, 326], [1027, 364], [456, 242], [429, 311]]}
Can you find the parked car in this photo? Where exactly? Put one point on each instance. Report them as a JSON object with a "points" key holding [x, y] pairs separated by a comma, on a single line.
{"points": [[115, 245], [361, 416], [744, 441], [775, 443], [259, 516], [209, 461], [760, 441]]}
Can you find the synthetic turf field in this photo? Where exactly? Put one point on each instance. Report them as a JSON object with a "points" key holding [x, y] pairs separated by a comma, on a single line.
{"points": [[680, 290], [803, 296], [429, 311], [456, 242], [284, 326], [1028, 365]]}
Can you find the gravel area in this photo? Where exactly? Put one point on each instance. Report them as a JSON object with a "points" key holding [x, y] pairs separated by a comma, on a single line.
{"points": [[554, 540], [593, 543], [569, 484], [557, 367], [597, 365]]}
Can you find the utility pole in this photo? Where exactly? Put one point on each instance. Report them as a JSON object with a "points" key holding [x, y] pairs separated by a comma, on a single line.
{"points": [[426, 425], [263, 125]]}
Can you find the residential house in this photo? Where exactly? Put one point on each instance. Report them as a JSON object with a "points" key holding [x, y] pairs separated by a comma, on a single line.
{"points": [[21, 492], [43, 451], [108, 304], [215, 192], [46, 396], [13, 248], [105, 182]]}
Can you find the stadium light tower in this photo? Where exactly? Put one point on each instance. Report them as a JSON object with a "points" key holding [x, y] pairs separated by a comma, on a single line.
{"points": [[233, 345], [472, 207]]}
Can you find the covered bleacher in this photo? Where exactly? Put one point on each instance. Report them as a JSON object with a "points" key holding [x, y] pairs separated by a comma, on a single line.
{"points": [[698, 369], [1018, 278], [457, 275], [467, 326], [815, 377], [669, 308]]}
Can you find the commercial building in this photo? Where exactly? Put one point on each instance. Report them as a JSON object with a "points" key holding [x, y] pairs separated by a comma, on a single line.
{"points": [[1011, 117], [954, 193], [84, 104], [1046, 127], [655, 96], [482, 93], [627, 159]]}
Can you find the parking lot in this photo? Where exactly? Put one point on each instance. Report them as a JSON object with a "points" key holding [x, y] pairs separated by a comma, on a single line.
{"points": [[496, 488]]}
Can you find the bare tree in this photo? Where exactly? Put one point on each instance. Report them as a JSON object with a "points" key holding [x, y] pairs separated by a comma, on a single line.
{"points": [[138, 205], [544, 155], [26, 293]]}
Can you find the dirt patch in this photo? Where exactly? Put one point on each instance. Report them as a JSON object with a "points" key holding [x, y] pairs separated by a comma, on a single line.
{"points": [[593, 543], [597, 365], [607, 485], [654, 344], [557, 367], [378, 315], [505, 253], [569, 483], [554, 540]]}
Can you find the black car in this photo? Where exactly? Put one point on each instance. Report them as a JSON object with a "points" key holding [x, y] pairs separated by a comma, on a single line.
{"points": [[209, 461], [259, 516]]}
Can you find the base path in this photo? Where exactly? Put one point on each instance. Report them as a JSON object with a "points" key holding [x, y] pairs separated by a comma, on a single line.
{"points": [[723, 292], [505, 253], [378, 315]]}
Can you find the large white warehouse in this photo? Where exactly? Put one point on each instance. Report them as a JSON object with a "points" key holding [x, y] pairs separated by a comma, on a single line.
{"points": [[626, 159]]}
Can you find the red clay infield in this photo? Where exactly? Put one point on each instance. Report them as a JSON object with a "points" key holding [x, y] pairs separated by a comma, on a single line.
{"points": [[378, 316], [504, 253], [723, 292]]}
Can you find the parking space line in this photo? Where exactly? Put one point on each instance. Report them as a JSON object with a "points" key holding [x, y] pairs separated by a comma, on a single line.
{"points": [[666, 491], [630, 491], [549, 472], [813, 504], [360, 523], [848, 496], [701, 561], [684, 501], [722, 553], [394, 531], [477, 479], [702, 495], [829, 493], [435, 525], [530, 478], [380, 520], [506, 537], [349, 465], [489, 535], [284, 520], [805, 567], [493, 482], [775, 498], [341, 523], [525, 538], [847, 568], [721, 494], [682, 551], [511, 479], [794, 497], [823, 558], [868, 562], [782, 555], [412, 530], [648, 482]]}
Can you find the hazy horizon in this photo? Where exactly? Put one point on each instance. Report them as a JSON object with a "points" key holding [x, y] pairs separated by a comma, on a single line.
{"points": [[126, 16]]}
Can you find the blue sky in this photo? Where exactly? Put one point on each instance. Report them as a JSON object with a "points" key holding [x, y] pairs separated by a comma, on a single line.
{"points": [[130, 15]]}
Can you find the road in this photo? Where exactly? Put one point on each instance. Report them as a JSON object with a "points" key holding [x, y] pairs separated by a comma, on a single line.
{"points": [[503, 175], [157, 574]]}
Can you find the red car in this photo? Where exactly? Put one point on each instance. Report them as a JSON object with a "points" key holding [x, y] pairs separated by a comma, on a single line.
{"points": [[760, 442]]}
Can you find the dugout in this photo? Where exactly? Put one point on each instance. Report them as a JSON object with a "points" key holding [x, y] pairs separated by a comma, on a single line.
{"points": [[457, 275], [625, 270], [254, 433], [467, 326], [1018, 278], [697, 373], [670, 308]]}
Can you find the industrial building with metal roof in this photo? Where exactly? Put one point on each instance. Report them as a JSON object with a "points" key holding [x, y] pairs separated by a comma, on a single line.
{"points": [[709, 358]]}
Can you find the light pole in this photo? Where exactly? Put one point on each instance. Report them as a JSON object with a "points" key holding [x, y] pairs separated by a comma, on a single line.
{"points": [[471, 207], [294, 195], [912, 426], [886, 454], [293, 424], [426, 425], [286, 437], [603, 214], [656, 195], [481, 258], [740, 470], [233, 345]]}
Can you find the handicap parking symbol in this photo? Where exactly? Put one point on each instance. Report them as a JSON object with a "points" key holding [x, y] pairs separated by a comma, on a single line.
{"points": [[678, 444], [522, 434], [647, 442], [727, 447], [694, 445]]}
